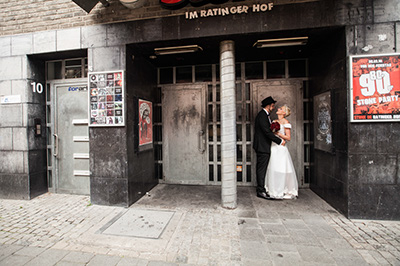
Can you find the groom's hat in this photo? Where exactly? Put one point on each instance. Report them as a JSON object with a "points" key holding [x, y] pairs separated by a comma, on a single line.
{"points": [[267, 101]]}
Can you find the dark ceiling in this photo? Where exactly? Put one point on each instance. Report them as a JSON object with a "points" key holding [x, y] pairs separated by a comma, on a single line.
{"points": [[244, 50]]}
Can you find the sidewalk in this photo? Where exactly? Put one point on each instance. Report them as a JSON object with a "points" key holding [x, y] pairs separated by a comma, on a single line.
{"points": [[57, 229]]}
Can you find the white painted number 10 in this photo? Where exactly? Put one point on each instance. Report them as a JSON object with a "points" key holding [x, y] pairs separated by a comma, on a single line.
{"points": [[37, 87], [375, 81]]}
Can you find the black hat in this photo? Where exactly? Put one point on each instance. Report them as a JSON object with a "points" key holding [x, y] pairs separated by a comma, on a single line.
{"points": [[267, 101]]}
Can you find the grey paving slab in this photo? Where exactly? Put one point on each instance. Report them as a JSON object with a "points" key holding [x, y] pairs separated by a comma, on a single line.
{"points": [[30, 251], [15, 260], [104, 260], [140, 223], [78, 257], [7, 250], [48, 258]]}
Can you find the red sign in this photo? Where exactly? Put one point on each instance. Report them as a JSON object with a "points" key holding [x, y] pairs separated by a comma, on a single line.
{"points": [[145, 122], [375, 87]]}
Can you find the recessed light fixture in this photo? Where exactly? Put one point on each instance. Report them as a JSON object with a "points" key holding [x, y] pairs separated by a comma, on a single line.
{"points": [[281, 42], [177, 49]]}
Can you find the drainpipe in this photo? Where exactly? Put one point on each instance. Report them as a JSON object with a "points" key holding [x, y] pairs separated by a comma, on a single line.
{"points": [[228, 125]]}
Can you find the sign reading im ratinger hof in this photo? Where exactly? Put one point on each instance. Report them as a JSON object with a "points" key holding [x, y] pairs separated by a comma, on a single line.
{"points": [[375, 88], [106, 98]]}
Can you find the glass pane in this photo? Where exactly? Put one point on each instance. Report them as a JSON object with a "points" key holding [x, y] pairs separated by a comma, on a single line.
{"points": [[247, 91], [184, 74], [50, 178], [48, 135], [239, 176], [239, 111], [238, 70], [203, 73], [210, 113], [210, 133], [211, 172], [218, 112], [48, 114], [217, 76], [238, 92], [248, 153], [49, 156], [239, 153], [248, 173], [218, 153], [86, 68], [218, 132], [276, 70], [158, 95], [254, 70], [48, 92], [74, 62], [219, 172], [157, 114], [210, 93], [54, 70], [247, 112], [248, 132], [239, 132], [218, 93], [157, 133], [159, 170], [210, 153], [166, 75], [297, 68], [73, 72], [158, 152]]}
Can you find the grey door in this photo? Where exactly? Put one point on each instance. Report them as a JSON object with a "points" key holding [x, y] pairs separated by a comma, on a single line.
{"points": [[285, 92], [183, 116], [71, 139]]}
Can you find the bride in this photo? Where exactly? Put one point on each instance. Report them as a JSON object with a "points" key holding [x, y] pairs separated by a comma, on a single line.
{"points": [[281, 180]]}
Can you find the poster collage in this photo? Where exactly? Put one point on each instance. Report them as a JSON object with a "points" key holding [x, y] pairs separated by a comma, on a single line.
{"points": [[106, 99]]}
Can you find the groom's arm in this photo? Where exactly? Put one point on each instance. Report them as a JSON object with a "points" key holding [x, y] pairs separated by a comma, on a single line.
{"points": [[265, 126]]}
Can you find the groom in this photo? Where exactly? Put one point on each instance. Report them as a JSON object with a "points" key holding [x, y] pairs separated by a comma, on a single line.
{"points": [[262, 144]]}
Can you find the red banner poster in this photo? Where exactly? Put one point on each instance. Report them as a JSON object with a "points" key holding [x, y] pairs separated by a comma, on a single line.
{"points": [[145, 122], [375, 88]]}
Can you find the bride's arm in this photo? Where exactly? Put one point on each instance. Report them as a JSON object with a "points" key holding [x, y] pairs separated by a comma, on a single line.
{"points": [[286, 136]]}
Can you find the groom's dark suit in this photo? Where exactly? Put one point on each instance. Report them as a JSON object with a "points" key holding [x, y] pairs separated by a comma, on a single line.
{"points": [[262, 145]]}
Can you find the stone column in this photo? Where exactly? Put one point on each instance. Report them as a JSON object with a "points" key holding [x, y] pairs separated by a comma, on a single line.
{"points": [[228, 125]]}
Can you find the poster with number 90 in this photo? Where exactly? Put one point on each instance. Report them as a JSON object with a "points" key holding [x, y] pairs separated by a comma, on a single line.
{"points": [[375, 88]]}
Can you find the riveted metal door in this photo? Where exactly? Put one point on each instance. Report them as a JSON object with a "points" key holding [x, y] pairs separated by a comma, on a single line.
{"points": [[71, 139], [287, 92], [183, 116]]}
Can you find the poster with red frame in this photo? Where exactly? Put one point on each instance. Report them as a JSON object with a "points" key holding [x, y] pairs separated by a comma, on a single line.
{"points": [[145, 122], [375, 88]]}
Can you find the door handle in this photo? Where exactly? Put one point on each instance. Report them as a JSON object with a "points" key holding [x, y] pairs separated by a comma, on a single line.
{"points": [[201, 146], [55, 154]]}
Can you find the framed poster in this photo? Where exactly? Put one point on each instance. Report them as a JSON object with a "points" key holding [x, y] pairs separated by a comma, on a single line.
{"points": [[323, 122], [375, 88], [145, 122], [106, 99]]}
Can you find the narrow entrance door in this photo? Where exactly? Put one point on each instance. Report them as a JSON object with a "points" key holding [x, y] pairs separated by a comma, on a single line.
{"points": [[183, 116], [290, 93], [71, 139]]}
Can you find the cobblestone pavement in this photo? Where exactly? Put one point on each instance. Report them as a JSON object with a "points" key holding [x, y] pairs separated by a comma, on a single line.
{"points": [[57, 229]]}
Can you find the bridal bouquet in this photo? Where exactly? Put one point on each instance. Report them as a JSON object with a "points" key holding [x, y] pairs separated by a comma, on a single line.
{"points": [[275, 126]]}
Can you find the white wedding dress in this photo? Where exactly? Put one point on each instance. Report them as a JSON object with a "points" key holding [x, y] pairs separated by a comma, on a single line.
{"points": [[281, 180]]}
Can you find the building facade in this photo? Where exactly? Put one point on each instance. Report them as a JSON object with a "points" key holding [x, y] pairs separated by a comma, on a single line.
{"points": [[135, 93]]}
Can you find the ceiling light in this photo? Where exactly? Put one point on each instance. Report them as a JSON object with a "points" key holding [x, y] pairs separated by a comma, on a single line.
{"points": [[177, 49], [281, 42]]}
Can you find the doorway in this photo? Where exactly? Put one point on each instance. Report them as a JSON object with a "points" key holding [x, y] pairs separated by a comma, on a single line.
{"points": [[289, 92], [285, 80], [68, 152]]}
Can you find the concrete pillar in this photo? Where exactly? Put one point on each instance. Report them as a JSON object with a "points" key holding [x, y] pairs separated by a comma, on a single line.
{"points": [[228, 125]]}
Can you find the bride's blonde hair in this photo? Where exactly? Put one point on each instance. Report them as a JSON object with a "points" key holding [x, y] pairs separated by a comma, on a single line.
{"points": [[287, 110]]}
